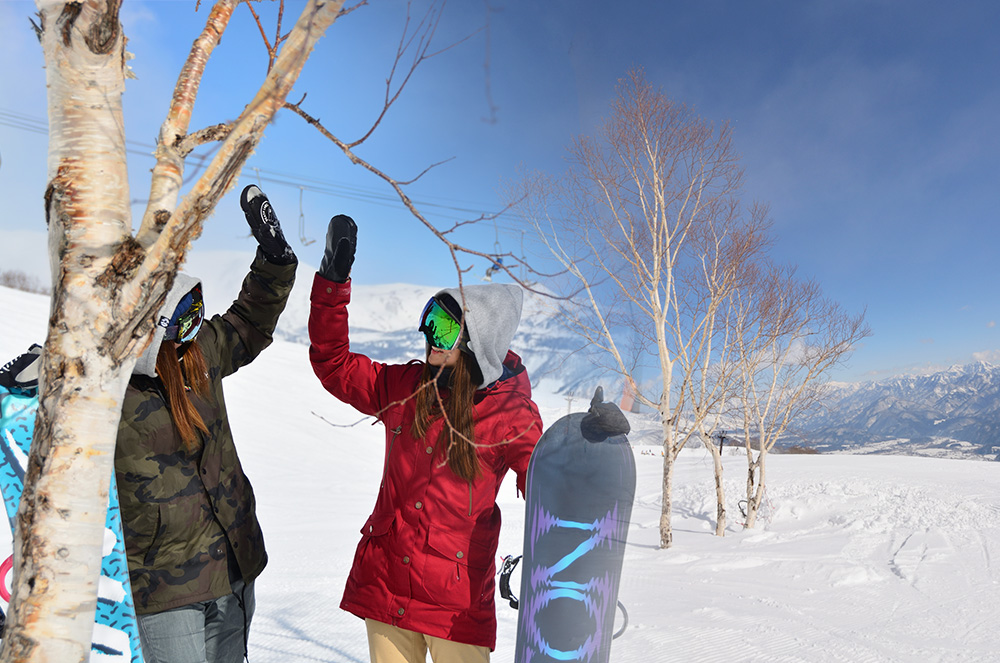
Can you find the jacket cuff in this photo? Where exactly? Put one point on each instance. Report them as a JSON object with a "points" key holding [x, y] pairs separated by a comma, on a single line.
{"points": [[289, 257], [284, 273], [325, 288]]}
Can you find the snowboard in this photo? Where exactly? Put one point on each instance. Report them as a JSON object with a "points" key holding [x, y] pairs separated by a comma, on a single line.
{"points": [[116, 634], [580, 489]]}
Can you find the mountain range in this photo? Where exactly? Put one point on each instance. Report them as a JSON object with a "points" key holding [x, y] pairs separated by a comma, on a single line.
{"points": [[953, 413], [383, 322]]}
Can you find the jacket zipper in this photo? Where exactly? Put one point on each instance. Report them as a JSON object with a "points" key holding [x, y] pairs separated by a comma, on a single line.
{"points": [[470, 499], [385, 468]]}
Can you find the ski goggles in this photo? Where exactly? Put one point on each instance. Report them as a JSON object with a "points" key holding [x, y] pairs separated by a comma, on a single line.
{"points": [[186, 325], [439, 326]]}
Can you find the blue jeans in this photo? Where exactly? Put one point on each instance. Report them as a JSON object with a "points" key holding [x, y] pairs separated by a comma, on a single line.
{"points": [[207, 632]]}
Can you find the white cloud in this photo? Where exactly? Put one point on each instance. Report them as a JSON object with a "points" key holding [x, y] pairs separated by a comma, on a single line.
{"points": [[990, 356]]}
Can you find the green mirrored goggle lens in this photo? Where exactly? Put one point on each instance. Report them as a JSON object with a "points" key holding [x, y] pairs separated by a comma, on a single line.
{"points": [[440, 328], [189, 323]]}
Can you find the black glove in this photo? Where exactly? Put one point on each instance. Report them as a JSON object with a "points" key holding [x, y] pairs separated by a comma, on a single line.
{"points": [[22, 371], [265, 227], [341, 241]]}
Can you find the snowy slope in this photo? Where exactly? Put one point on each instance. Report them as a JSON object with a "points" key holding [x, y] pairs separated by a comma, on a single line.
{"points": [[857, 558]]}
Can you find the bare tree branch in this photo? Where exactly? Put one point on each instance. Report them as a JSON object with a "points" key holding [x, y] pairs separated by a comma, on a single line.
{"points": [[169, 169], [649, 222]]}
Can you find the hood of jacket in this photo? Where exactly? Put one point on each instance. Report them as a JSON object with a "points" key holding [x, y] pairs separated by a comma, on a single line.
{"points": [[182, 286], [492, 312]]}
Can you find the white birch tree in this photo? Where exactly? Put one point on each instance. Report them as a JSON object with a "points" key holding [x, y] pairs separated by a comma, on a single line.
{"points": [[649, 225], [789, 338], [107, 285]]}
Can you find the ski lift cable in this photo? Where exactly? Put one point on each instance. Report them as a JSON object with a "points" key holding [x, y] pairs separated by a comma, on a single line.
{"points": [[445, 207], [497, 259], [24, 122], [448, 207], [302, 222]]}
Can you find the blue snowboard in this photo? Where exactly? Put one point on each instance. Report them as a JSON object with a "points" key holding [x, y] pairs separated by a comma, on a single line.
{"points": [[581, 484], [116, 636]]}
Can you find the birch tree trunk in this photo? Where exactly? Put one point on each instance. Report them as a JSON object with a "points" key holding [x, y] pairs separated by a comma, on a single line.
{"points": [[755, 486], [720, 491], [63, 508], [666, 510], [107, 287]]}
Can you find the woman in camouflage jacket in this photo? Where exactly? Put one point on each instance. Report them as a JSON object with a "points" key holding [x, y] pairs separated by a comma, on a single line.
{"points": [[192, 538]]}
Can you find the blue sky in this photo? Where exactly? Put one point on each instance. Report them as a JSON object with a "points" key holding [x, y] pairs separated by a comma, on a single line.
{"points": [[870, 127]]}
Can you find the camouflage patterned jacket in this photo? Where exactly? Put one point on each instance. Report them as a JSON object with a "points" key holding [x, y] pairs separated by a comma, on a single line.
{"points": [[179, 510]]}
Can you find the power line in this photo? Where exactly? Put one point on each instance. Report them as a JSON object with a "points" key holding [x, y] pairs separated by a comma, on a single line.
{"points": [[23, 122], [503, 222]]}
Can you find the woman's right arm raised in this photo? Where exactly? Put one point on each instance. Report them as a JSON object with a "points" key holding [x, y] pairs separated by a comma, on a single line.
{"points": [[350, 377]]}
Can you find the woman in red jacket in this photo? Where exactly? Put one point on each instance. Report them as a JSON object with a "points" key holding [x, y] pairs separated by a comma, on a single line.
{"points": [[423, 574]]}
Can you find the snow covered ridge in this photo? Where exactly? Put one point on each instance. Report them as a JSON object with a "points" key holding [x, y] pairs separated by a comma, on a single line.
{"points": [[383, 321], [951, 414]]}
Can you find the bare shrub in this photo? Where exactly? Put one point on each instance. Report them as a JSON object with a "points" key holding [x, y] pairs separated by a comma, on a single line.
{"points": [[18, 280]]}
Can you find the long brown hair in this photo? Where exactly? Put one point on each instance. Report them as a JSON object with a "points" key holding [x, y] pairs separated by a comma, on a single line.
{"points": [[177, 377], [458, 437]]}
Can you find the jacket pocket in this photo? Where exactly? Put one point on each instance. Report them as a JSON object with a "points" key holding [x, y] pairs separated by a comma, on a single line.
{"points": [[155, 539], [371, 559], [139, 525], [461, 548], [457, 571], [377, 524]]}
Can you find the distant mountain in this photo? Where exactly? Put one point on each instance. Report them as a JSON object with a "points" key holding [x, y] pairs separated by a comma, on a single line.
{"points": [[383, 320], [953, 413]]}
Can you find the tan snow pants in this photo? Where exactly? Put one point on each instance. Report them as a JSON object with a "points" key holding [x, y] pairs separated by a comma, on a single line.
{"points": [[391, 644]]}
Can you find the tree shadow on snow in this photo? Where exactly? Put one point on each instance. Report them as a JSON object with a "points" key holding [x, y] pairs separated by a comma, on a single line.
{"points": [[286, 630]]}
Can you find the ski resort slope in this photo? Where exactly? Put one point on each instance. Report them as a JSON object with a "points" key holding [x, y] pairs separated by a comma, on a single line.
{"points": [[856, 558]]}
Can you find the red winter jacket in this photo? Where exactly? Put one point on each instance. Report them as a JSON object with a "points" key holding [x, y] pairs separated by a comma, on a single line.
{"points": [[426, 561]]}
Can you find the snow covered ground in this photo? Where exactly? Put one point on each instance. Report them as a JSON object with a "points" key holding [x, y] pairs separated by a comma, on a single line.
{"points": [[857, 558]]}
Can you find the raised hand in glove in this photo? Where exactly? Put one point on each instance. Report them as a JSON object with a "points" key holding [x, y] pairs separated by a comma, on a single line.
{"points": [[265, 227], [341, 241]]}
